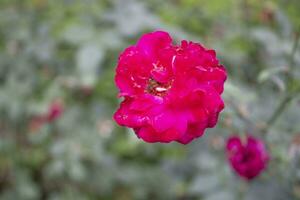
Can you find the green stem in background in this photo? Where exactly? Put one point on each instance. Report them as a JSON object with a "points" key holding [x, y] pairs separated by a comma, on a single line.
{"points": [[294, 50], [289, 94], [242, 188], [279, 110]]}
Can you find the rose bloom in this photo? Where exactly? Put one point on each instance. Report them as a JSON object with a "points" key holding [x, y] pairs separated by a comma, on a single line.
{"points": [[247, 158], [171, 92]]}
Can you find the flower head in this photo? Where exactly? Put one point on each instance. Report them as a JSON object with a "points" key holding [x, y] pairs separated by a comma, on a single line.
{"points": [[171, 92], [248, 159]]}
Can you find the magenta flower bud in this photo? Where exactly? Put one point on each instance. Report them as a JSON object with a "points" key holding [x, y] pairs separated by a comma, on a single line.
{"points": [[247, 158]]}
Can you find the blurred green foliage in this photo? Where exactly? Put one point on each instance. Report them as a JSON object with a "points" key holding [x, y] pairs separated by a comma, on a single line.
{"points": [[68, 49]]}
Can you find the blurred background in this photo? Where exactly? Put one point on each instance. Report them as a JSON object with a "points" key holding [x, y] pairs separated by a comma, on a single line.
{"points": [[57, 98]]}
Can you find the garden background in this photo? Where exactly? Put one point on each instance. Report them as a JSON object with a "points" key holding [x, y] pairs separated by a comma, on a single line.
{"points": [[64, 53]]}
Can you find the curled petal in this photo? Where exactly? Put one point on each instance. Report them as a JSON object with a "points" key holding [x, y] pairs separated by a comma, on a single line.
{"points": [[151, 43], [148, 134]]}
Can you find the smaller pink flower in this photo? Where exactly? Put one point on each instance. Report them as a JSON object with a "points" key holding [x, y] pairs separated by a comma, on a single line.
{"points": [[55, 110], [247, 158]]}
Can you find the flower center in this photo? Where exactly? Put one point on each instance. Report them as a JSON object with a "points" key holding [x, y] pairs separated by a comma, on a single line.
{"points": [[248, 156], [157, 88]]}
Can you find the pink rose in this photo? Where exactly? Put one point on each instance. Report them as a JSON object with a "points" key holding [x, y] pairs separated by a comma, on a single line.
{"points": [[171, 92], [248, 159]]}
